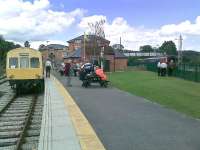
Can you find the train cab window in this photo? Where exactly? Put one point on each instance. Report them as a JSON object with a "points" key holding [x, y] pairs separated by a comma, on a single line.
{"points": [[35, 62], [13, 62], [24, 62]]}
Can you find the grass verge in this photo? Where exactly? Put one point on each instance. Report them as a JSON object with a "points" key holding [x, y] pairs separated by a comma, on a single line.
{"points": [[181, 95]]}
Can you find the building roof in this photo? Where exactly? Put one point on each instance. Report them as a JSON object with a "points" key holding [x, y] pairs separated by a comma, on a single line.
{"points": [[75, 54], [119, 54], [116, 53], [90, 37], [54, 46]]}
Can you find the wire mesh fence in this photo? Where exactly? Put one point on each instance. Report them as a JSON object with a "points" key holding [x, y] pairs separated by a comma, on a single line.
{"points": [[184, 71]]}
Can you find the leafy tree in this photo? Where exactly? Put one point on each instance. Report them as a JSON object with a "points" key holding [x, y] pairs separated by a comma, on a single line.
{"points": [[41, 47], [1, 38], [146, 48], [169, 48], [118, 46], [27, 44], [5, 46], [191, 57]]}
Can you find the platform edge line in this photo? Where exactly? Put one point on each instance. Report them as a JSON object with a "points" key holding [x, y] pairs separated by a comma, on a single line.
{"points": [[86, 134]]}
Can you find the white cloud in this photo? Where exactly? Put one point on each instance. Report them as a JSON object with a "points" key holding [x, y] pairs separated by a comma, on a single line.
{"points": [[36, 44], [36, 21], [33, 21], [185, 27], [133, 37]]}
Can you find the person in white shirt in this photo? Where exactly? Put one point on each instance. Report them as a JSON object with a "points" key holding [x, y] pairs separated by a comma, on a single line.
{"points": [[48, 67], [159, 68], [163, 67]]}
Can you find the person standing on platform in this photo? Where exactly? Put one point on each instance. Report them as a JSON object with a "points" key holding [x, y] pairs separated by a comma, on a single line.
{"points": [[163, 69], [74, 67], [159, 68], [67, 72], [48, 67], [171, 67]]}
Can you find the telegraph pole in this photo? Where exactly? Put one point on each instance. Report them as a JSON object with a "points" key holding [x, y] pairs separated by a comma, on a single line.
{"points": [[120, 43], [84, 47], [180, 48]]}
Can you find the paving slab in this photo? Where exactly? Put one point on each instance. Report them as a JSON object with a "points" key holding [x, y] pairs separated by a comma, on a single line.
{"points": [[127, 122], [57, 131]]}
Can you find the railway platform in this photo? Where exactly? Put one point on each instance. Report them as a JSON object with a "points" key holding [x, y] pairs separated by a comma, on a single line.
{"points": [[64, 127]]}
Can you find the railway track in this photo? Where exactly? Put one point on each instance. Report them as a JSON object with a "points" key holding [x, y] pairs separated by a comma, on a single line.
{"points": [[3, 79], [20, 122]]}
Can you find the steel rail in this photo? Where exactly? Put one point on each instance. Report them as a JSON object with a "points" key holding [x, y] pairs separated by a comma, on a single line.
{"points": [[7, 105], [27, 122]]}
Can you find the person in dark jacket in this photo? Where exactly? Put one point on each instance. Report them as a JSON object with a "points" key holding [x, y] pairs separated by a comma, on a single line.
{"points": [[67, 71]]}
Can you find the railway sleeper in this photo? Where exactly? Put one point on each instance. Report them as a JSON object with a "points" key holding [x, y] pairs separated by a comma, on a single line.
{"points": [[6, 119], [8, 142], [13, 112], [15, 115], [4, 135], [33, 133], [11, 128], [19, 107], [38, 117], [13, 147], [8, 123], [37, 113], [35, 122], [29, 146], [31, 139]]}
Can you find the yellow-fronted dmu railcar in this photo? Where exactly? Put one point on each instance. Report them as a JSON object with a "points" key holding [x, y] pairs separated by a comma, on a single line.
{"points": [[24, 69]]}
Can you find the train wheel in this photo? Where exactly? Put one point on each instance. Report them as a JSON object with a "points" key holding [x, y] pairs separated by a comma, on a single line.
{"points": [[40, 88], [18, 89]]}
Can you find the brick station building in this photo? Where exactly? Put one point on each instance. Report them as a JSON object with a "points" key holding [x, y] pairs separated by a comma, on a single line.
{"points": [[91, 46], [56, 52]]}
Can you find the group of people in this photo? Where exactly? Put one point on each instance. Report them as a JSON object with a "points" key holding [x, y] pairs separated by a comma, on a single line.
{"points": [[65, 69], [81, 69], [165, 68], [69, 68]]}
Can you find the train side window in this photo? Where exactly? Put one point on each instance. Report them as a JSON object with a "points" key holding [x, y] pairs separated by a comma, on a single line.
{"points": [[24, 62], [13, 62], [35, 62]]}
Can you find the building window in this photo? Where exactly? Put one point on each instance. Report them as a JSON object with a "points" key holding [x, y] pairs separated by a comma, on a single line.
{"points": [[35, 62], [64, 54], [78, 41], [13, 62], [24, 62]]}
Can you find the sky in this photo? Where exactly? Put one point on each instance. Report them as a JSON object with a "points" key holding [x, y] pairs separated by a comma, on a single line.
{"points": [[137, 22]]}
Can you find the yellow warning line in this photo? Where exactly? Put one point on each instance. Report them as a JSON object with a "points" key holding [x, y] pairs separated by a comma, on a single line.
{"points": [[86, 134]]}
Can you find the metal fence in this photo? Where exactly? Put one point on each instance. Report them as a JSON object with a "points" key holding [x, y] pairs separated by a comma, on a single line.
{"points": [[184, 71]]}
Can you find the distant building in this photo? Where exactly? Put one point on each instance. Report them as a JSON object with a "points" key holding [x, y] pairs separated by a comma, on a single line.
{"points": [[56, 52], [129, 53], [91, 47], [90, 42]]}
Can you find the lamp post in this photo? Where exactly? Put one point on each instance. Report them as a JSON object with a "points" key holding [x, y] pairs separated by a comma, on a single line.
{"points": [[158, 50], [180, 48], [102, 54]]}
